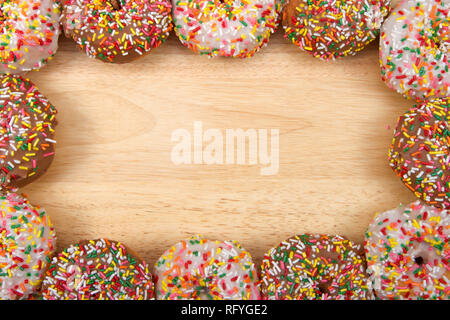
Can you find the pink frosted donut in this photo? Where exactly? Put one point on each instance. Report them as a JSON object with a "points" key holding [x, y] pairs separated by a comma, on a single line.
{"points": [[29, 34], [225, 28], [200, 269], [414, 46], [408, 252], [27, 242]]}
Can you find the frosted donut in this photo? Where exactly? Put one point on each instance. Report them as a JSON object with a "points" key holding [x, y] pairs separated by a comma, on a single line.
{"points": [[29, 34], [27, 241], [315, 267], [97, 270], [200, 269], [330, 29], [414, 46], [117, 31], [27, 127], [419, 153], [408, 253], [225, 28]]}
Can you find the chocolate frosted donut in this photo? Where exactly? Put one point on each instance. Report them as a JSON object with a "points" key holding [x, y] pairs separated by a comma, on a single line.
{"points": [[27, 127], [419, 153], [97, 270], [117, 31], [330, 29], [315, 267], [27, 242], [408, 253]]}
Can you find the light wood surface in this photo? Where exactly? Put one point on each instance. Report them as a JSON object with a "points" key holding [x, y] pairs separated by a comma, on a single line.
{"points": [[113, 176]]}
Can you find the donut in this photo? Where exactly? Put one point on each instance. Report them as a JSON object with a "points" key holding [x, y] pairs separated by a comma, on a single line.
{"points": [[315, 267], [331, 29], [117, 31], [97, 270], [226, 28], [414, 45], [27, 242], [419, 153], [27, 128], [29, 34], [201, 269], [408, 253]]}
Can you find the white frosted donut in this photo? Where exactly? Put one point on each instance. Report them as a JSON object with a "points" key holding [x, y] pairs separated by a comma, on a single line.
{"points": [[27, 241], [29, 34], [229, 28], [414, 46], [407, 251], [200, 269]]}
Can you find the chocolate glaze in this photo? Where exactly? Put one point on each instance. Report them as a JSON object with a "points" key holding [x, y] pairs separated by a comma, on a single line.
{"points": [[419, 153], [328, 31], [315, 267], [147, 22], [27, 122]]}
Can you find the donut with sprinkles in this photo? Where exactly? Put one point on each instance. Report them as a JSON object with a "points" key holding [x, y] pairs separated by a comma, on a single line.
{"points": [[226, 28], [29, 34], [414, 45], [315, 267], [27, 242], [419, 153], [331, 29], [27, 128], [97, 270], [201, 269], [408, 253], [117, 31]]}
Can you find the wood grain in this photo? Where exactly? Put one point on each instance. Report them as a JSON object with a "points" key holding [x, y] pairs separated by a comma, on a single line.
{"points": [[113, 176]]}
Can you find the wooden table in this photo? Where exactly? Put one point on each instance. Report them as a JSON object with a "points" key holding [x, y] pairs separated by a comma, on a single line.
{"points": [[113, 175]]}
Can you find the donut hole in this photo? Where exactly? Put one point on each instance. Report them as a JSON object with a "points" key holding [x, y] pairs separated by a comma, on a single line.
{"points": [[421, 253], [419, 260], [323, 287], [115, 4]]}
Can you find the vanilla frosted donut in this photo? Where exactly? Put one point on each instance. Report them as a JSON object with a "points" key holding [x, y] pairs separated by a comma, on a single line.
{"points": [[408, 253], [225, 28], [414, 46], [202, 269], [29, 34], [27, 241]]}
